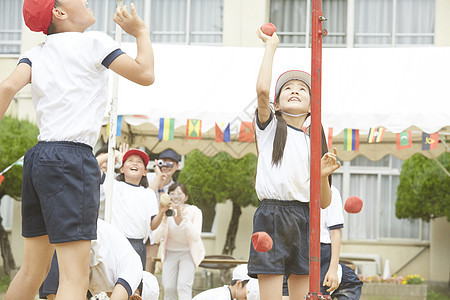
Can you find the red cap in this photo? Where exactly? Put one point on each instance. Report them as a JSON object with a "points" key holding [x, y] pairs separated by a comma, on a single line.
{"points": [[141, 153], [37, 14]]}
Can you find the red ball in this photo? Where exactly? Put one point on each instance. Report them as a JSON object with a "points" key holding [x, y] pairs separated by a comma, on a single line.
{"points": [[262, 242], [353, 205], [268, 29]]}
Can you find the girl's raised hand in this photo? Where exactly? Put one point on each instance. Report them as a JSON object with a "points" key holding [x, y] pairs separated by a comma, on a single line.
{"points": [[267, 38], [130, 22], [329, 163]]}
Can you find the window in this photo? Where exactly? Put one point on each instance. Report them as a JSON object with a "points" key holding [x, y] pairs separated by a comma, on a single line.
{"points": [[394, 22], [376, 184], [171, 21], [293, 18], [374, 23], [10, 26]]}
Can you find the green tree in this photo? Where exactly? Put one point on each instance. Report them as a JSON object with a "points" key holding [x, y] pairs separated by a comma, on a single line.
{"points": [[424, 189], [212, 180], [16, 137]]}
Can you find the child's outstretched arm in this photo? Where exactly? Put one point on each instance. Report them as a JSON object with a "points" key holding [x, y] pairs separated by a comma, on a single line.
{"points": [[19, 78], [141, 69], [328, 165], [265, 75]]}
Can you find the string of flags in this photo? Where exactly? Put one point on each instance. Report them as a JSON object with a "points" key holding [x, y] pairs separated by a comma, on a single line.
{"points": [[403, 139], [246, 134], [18, 162]]}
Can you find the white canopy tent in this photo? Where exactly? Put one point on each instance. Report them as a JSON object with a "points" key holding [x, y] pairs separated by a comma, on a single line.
{"points": [[396, 88]]}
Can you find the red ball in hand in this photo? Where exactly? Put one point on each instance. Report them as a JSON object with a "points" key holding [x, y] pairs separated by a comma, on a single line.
{"points": [[353, 205], [268, 29], [262, 242]]}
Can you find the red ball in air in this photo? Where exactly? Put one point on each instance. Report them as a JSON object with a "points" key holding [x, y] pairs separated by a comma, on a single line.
{"points": [[268, 29], [262, 242], [353, 205]]}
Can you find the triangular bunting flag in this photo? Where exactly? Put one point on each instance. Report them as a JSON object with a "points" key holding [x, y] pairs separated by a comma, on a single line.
{"points": [[375, 135], [1, 178], [403, 140], [166, 129], [430, 141], [19, 162], [222, 132], [194, 129], [351, 139], [246, 132]]}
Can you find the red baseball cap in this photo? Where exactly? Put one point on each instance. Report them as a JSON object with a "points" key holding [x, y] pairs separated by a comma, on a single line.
{"points": [[37, 14], [141, 153]]}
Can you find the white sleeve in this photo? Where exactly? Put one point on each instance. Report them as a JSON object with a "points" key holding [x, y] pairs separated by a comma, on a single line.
{"points": [[334, 214]]}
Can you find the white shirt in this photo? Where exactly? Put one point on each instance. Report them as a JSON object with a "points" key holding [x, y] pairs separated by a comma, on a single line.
{"points": [[177, 239], [112, 258], [331, 217], [132, 209], [69, 84], [220, 293], [290, 179]]}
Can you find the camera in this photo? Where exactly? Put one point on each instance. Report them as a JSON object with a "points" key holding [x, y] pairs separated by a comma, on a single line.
{"points": [[167, 164], [171, 212]]}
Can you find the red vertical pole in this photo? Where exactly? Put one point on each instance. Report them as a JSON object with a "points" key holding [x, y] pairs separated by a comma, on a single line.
{"points": [[314, 222]]}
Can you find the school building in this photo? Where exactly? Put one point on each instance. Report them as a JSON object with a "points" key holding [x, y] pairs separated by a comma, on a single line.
{"points": [[369, 239]]}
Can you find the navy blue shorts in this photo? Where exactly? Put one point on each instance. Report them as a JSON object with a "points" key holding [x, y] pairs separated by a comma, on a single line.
{"points": [[51, 282], [325, 258], [139, 246], [350, 286], [60, 192], [287, 223]]}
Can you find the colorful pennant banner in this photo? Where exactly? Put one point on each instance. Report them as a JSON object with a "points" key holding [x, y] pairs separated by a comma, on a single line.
{"points": [[246, 132], [166, 129], [194, 129], [223, 133], [430, 141], [403, 140], [375, 135], [351, 139]]}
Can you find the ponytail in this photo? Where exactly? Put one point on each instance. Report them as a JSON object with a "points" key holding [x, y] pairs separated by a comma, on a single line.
{"points": [[279, 142]]}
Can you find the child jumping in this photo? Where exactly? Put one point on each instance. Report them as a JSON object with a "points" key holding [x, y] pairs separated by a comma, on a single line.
{"points": [[282, 179], [61, 177]]}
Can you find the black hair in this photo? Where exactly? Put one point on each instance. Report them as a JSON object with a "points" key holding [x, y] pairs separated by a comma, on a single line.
{"points": [[102, 150], [234, 281], [177, 184], [279, 141], [51, 28]]}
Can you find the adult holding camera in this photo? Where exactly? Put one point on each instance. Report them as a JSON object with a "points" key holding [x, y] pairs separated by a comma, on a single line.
{"points": [[182, 249], [163, 176]]}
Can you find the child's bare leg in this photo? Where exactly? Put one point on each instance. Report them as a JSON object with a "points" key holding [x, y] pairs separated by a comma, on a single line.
{"points": [[37, 257], [152, 251], [298, 286], [73, 260], [270, 286], [119, 293]]}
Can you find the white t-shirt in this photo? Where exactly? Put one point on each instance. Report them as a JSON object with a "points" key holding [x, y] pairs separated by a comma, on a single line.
{"points": [[220, 293], [112, 260], [132, 209], [331, 217], [290, 179], [69, 79]]}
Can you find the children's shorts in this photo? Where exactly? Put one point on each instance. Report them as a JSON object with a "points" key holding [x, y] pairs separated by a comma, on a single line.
{"points": [[60, 192], [287, 223]]}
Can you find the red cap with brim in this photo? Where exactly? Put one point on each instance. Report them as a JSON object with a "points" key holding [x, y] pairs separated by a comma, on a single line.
{"points": [[141, 153], [37, 14]]}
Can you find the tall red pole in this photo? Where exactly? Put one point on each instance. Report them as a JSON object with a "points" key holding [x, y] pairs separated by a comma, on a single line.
{"points": [[316, 86]]}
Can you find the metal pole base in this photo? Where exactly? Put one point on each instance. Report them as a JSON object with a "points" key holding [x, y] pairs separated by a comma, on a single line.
{"points": [[317, 296]]}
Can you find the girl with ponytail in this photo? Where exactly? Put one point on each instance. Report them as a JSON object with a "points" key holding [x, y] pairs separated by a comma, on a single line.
{"points": [[282, 179]]}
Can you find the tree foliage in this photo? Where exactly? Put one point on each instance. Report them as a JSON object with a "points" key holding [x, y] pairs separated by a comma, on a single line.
{"points": [[424, 189], [212, 180], [16, 137]]}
